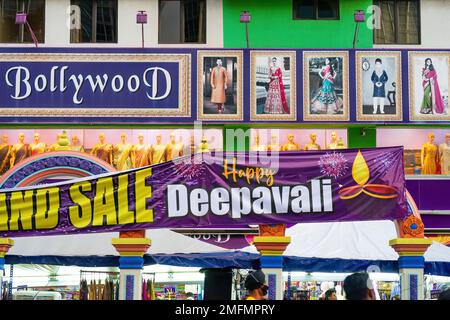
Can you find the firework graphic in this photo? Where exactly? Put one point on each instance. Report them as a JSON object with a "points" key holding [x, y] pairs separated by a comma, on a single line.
{"points": [[189, 170], [333, 164]]}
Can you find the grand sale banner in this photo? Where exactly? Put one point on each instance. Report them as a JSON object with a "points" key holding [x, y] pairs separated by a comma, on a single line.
{"points": [[216, 190]]}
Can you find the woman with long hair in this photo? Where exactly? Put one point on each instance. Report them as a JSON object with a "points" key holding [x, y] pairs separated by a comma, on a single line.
{"points": [[276, 99], [327, 97], [432, 101]]}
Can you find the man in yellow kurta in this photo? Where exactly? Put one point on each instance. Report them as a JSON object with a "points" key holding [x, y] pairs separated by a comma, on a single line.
{"points": [[219, 80]]}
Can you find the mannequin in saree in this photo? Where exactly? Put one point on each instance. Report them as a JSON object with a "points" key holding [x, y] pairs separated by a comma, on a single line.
{"points": [[430, 156], [174, 149], [257, 146], [444, 155], [102, 150], [291, 145], [37, 147], [312, 145], [20, 150], [76, 145], [122, 154], [5, 154], [203, 146], [334, 142], [139, 153], [274, 145], [157, 151]]}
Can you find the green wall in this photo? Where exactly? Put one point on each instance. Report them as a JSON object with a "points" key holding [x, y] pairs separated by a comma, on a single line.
{"points": [[272, 26], [362, 137]]}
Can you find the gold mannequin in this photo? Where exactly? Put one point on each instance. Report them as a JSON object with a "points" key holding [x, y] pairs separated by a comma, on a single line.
{"points": [[429, 156], [55, 145], [274, 146], [20, 150], [290, 145], [102, 150], [203, 147], [122, 154], [5, 154], [257, 146], [174, 149], [312, 145], [37, 147], [76, 146], [333, 143], [139, 153], [157, 151], [444, 155]]}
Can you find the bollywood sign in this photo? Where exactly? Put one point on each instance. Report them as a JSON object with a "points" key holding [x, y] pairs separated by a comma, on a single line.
{"points": [[211, 190], [95, 85]]}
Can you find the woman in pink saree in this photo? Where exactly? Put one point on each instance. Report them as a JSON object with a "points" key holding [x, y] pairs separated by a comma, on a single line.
{"points": [[276, 99], [432, 100]]}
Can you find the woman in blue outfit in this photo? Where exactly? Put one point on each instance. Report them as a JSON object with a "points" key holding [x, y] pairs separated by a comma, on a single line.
{"points": [[379, 79]]}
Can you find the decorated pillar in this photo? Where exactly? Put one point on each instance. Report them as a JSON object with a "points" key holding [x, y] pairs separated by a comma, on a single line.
{"points": [[411, 248], [132, 246], [271, 244], [5, 245]]}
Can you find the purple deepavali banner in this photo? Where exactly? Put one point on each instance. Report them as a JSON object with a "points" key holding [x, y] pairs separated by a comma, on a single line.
{"points": [[211, 190]]}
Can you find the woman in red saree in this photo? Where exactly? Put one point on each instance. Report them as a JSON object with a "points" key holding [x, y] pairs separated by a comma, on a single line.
{"points": [[276, 99], [432, 100]]}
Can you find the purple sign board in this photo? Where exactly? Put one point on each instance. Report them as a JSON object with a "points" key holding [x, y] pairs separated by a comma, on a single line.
{"points": [[216, 190]]}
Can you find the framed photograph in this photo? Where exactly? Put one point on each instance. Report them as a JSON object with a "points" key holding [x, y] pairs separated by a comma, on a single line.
{"points": [[219, 92], [325, 86], [429, 78], [273, 86], [379, 86]]}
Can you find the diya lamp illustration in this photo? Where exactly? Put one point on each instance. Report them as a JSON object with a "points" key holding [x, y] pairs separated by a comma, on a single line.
{"points": [[360, 193]]}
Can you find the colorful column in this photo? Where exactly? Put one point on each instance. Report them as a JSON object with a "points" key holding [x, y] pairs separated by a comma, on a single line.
{"points": [[5, 245], [271, 244], [411, 264], [132, 246]]}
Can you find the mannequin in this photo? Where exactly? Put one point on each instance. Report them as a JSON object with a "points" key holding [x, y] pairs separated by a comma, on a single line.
{"points": [[379, 79], [174, 149], [122, 154], [444, 155], [157, 151], [192, 146], [76, 146], [102, 150], [219, 80], [290, 145], [203, 147], [274, 146], [312, 145], [333, 143], [429, 156], [5, 154], [20, 150], [257, 146], [37, 147], [55, 145], [139, 153]]}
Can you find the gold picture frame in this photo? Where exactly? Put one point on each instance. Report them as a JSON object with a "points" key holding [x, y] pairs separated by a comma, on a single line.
{"points": [[201, 115], [254, 115], [413, 85], [308, 115], [183, 109], [365, 56]]}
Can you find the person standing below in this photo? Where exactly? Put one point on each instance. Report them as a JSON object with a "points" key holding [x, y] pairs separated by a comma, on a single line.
{"points": [[358, 286], [219, 80], [256, 285], [330, 294], [379, 79]]}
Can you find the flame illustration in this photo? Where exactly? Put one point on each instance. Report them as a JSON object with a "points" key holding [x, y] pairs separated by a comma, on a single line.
{"points": [[360, 170]]}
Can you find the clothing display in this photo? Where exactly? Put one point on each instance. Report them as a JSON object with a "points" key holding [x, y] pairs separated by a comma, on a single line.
{"points": [[432, 101], [122, 156], [219, 80], [103, 151], [379, 84], [276, 98], [5, 157], [444, 155], [430, 158]]}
